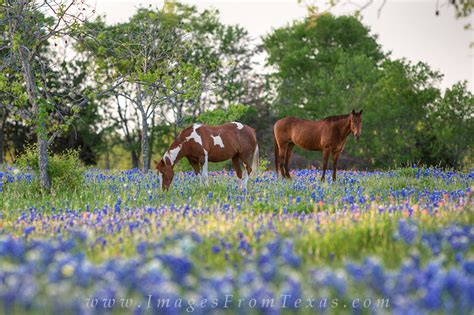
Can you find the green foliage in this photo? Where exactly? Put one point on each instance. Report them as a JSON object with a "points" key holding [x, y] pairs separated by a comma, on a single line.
{"points": [[223, 53], [147, 59], [395, 110], [148, 49], [452, 123], [320, 68], [324, 65], [220, 116], [263, 164], [65, 170], [331, 65]]}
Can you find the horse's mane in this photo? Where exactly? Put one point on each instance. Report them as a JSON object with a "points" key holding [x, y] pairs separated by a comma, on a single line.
{"points": [[335, 117]]}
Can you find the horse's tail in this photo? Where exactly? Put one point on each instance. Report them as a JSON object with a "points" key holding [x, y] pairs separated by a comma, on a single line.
{"points": [[255, 160], [275, 145]]}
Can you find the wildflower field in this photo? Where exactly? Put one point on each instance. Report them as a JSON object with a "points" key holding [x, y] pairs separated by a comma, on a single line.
{"points": [[370, 243]]}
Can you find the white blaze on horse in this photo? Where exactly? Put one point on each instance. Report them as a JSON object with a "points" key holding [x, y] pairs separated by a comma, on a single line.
{"points": [[202, 144]]}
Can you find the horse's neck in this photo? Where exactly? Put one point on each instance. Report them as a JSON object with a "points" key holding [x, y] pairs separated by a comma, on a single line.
{"points": [[174, 153], [344, 126]]}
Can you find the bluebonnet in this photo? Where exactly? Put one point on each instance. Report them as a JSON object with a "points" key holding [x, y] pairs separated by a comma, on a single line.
{"points": [[51, 249], [407, 231]]}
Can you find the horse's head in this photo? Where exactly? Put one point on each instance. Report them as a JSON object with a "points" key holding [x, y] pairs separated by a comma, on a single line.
{"points": [[166, 174], [356, 123]]}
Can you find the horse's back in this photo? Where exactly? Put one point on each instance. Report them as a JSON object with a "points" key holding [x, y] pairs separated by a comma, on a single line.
{"points": [[247, 135], [289, 122], [302, 132], [236, 128], [226, 140], [283, 128]]}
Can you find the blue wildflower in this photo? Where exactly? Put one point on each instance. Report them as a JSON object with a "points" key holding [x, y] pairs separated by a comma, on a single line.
{"points": [[408, 231]]}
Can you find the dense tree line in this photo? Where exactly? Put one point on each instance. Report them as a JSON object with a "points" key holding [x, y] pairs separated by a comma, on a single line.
{"points": [[120, 93], [335, 64]]}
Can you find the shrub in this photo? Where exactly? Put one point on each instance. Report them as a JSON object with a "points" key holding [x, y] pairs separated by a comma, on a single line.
{"points": [[263, 164], [221, 116], [64, 169]]}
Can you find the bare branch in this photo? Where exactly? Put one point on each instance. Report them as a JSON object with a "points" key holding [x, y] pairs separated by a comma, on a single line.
{"points": [[379, 11]]}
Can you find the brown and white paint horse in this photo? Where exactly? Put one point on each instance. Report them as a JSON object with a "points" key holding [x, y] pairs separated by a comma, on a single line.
{"points": [[202, 144], [328, 135]]}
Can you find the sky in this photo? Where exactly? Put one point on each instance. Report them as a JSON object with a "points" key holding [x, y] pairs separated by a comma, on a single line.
{"points": [[407, 28]]}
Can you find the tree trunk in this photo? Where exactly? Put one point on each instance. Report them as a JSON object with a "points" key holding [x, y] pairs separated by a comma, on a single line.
{"points": [[152, 136], [32, 91], [43, 164], [145, 143]]}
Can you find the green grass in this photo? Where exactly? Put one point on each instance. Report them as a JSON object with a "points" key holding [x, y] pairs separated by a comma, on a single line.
{"points": [[340, 236]]}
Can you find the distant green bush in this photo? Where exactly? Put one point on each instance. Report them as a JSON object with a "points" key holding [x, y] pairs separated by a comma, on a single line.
{"points": [[221, 116], [263, 164], [64, 169]]}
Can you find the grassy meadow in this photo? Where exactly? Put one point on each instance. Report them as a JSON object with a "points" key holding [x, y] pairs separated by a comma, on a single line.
{"points": [[372, 242]]}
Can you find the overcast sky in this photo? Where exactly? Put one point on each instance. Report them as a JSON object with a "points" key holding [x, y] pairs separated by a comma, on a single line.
{"points": [[407, 28]]}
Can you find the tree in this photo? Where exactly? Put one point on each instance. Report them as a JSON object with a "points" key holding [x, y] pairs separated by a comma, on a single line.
{"points": [[333, 66], [223, 54], [318, 69], [146, 54], [452, 121], [126, 117], [394, 114], [196, 63], [11, 97], [29, 31]]}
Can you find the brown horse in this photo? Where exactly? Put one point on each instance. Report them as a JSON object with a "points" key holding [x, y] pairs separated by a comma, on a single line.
{"points": [[328, 135], [201, 144]]}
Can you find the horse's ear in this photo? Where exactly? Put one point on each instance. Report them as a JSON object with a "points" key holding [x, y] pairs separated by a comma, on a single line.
{"points": [[353, 111], [360, 113]]}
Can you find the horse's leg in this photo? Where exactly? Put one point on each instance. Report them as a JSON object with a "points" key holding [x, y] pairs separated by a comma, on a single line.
{"points": [[203, 161], [236, 165], [205, 174], [247, 174], [281, 159], [196, 167], [276, 151], [335, 156], [279, 146], [325, 162], [289, 151]]}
